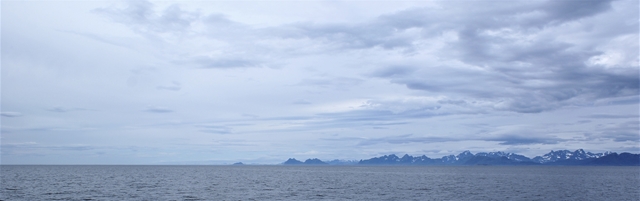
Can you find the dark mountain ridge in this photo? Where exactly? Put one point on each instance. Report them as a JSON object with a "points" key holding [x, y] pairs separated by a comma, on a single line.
{"points": [[560, 157], [315, 161]]}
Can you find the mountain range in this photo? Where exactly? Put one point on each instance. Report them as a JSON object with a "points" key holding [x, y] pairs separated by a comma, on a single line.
{"points": [[560, 157]]}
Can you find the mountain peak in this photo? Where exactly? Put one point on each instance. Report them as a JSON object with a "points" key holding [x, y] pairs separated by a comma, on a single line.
{"points": [[560, 155], [499, 154], [464, 154], [292, 161], [314, 161], [557, 157]]}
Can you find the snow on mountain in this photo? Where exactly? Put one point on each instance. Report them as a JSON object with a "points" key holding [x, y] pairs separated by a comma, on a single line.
{"points": [[449, 159], [579, 154], [421, 159], [510, 156], [466, 156]]}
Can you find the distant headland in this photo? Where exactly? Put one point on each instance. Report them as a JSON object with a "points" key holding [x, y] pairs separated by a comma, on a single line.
{"points": [[560, 157]]}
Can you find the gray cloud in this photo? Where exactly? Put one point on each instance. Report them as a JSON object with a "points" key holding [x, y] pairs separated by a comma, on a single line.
{"points": [[207, 62], [609, 116], [66, 109], [398, 139], [301, 102], [562, 11], [214, 129], [628, 131], [173, 24], [155, 109], [539, 74], [394, 71], [331, 82], [101, 39], [141, 16], [508, 62], [523, 134], [373, 118], [542, 74], [10, 114], [629, 100], [351, 36], [170, 88], [389, 31], [524, 140], [404, 139], [12, 148], [174, 86], [517, 75]]}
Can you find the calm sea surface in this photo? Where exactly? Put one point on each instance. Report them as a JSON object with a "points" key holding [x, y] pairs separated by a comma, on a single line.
{"points": [[312, 183]]}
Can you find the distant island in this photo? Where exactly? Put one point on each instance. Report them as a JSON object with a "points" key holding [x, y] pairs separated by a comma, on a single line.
{"points": [[560, 157]]}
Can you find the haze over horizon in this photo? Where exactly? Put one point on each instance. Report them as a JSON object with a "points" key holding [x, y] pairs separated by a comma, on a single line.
{"points": [[218, 82]]}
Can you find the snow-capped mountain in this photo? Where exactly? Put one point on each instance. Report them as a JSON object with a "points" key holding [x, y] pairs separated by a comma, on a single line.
{"points": [[559, 155], [464, 155], [451, 159], [422, 160], [510, 156]]}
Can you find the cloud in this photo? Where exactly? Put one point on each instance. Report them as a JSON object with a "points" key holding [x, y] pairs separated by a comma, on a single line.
{"points": [[154, 109], [404, 139], [609, 116], [404, 29], [562, 11], [214, 129], [141, 16], [13, 148], [393, 71], [250, 115], [301, 102], [519, 67], [627, 131], [174, 86], [10, 114], [515, 57], [377, 75], [30, 129], [524, 140], [341, 83], [378, 114], [65, 109], [519, 134], [208, 62], [366, 117], [173, 30], [397, 139], [356, 36], [628, 100], [100, 38]]}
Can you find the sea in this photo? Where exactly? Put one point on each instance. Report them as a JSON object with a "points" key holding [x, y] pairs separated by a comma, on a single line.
{"points": [[278, 182]]}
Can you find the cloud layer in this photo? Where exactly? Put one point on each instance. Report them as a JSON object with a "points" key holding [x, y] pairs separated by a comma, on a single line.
{"points": [[255, 82]]}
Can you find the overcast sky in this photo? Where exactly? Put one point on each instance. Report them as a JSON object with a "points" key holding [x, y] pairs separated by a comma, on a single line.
{"points": [[218, 82]]}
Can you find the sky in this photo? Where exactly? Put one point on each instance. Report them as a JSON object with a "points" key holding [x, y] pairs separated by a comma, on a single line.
{"points": [[219, 82]]}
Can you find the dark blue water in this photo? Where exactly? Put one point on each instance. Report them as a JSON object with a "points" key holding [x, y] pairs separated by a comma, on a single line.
{"points": [[310, 183]]}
